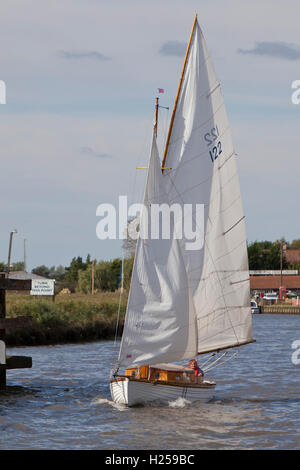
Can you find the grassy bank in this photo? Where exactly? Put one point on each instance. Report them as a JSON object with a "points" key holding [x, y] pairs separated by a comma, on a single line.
{"points": [[71, 318]]}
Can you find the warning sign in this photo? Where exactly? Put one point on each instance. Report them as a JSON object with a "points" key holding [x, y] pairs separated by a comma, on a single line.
{"points": [[42, 287]]}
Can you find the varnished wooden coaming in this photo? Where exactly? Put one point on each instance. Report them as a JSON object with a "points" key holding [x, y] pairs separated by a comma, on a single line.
{"points": [[164, 382]]}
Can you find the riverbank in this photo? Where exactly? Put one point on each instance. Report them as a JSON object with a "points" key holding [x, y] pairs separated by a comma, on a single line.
{"points": [[281, 309], [70, 319]]}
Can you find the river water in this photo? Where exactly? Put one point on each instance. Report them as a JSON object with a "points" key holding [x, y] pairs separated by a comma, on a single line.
{"points": [[64, 402]]}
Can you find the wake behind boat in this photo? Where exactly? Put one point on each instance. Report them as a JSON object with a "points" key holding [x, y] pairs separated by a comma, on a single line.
{"points": [[187, 298]]}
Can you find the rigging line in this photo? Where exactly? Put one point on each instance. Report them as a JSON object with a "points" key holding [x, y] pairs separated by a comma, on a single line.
{"points": [[231, 357], [141, 152], [164, 119], [220, 235], [213, 90], [240, 220], [210, 357], [225, 161], [120, 302], [212, 260], [214, 362], [243, 280]]}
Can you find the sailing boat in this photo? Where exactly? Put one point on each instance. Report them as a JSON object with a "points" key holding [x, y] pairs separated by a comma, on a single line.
{"points": [[187, 300]]}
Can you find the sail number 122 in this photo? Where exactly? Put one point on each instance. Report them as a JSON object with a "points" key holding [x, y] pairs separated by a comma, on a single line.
{"points": [[212, 138]]}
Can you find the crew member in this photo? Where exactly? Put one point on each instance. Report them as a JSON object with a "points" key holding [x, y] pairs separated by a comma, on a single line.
{"points": [[193, 364]]}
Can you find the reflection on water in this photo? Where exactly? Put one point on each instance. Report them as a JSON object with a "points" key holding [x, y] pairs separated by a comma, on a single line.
{"points": [[63, 402]]}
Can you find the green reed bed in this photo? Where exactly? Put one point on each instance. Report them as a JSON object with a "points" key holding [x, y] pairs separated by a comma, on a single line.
{"points": [[74, 318]]}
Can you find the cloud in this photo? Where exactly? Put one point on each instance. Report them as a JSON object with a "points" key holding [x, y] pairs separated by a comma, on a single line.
{"points": [[281, 50], [82, 55], [91, 152], [174, 48]]}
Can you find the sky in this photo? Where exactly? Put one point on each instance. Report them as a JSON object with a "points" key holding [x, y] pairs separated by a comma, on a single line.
{"points": [[81, 80]]}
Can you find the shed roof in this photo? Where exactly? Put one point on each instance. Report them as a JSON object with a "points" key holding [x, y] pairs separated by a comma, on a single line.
{"points": [[24, 275]]}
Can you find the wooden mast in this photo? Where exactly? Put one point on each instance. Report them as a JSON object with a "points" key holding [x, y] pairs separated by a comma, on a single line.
{"points": [[156, 117], [178, 92]]}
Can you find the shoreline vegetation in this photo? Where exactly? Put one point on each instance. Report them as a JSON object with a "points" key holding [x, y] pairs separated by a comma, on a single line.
{"points": [[79, 316], [70, 318]]}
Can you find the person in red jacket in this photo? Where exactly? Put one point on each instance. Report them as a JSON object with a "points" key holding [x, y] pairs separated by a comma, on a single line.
{"points": [[193, 364]]}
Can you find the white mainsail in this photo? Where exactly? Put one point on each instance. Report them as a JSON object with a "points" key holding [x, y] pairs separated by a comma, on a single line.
{"points": [[186, 300]]}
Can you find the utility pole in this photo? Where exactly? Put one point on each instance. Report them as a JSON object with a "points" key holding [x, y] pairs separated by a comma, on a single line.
{"points": [[25, 255], [93, 277], [9, 251]]}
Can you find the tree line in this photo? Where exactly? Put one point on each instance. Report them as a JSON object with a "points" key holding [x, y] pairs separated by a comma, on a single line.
{"points": [[262, 255], [78, 275]]}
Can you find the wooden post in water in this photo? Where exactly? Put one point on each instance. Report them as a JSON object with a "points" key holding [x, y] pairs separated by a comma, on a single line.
{"points": [[2, 332], [11, 362]]}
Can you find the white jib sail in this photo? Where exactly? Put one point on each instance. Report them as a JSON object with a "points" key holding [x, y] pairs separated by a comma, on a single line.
{"points": [[160, 321], [192, 297]]}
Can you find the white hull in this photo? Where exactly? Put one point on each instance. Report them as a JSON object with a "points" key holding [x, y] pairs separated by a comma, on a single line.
{"points": [[132, 392]]}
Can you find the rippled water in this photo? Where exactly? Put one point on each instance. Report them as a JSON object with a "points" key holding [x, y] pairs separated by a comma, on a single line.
{"points": [[63, 402]]}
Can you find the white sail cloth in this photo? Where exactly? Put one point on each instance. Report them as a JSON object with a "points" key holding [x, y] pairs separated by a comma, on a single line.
{"points": [[185, 301], [160, 321]]}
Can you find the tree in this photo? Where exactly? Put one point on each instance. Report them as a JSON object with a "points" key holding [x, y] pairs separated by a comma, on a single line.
{"points": [[17, 266], [106, 276], [295, 244], [127, 268], [265, 255], [75, 265], [41, 271], [57, 273]]}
